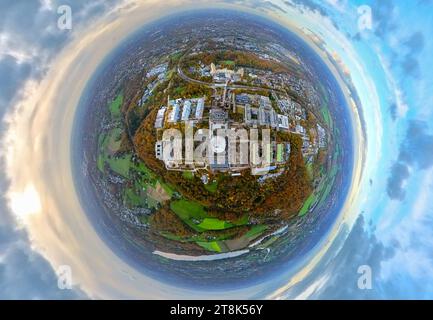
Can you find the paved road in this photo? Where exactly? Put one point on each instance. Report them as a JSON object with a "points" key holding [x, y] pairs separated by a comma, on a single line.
{"points": [[222, 85], [214, 86]]}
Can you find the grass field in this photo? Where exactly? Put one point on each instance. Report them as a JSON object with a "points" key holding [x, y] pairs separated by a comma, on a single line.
{"points": [[195, 216], [322, 192], [132, 199], [176, 56], [146, 173], [156, 190], [242, 221], [255, 231], [152, 203], [327, 192], [188, 175], [214, 224], [114, 140], [229, 63], [203, 237], [326, 116], [168, 188], [115, 107], [100, 162], [111, 142], [120, 165], [210, 246], [310, 171], [147, 189], [211, 187], [333, 172], [187, 211], [311, 199], [179, 91]]}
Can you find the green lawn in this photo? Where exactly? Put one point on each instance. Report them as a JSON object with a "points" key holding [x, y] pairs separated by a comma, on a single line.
{"points": [[188, 175], [210, 246], [120, 165], [179, 90], [148, 179], [110, 143], [337, 151], [242, 221], [132, 199], [333, 172], [280, 151], [114, 140], [146, 173], [326, 116], [152, 203], [214, 224], [307, 205], [189, 211], [327, 192], [115, 106], [171, 236], [198, 237], [100, 162], [170, 74], [230, 63], [255, 231], [309, 168], [168, 188], [176, 56], [211, 187]]}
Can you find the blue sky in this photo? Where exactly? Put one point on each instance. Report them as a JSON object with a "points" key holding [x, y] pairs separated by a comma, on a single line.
{"points": [[28, 43], [390, 66]]}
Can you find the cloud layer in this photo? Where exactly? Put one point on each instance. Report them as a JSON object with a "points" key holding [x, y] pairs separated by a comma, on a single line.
{"points": [[29, 40]]}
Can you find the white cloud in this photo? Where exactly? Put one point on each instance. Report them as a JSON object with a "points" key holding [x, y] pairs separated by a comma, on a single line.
{"points": [[414, 236]]}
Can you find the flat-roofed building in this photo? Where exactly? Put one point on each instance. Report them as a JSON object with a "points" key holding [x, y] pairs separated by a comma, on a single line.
{"points": [[159, 122], [285, 106], [223, 75], [218, 116], [174, 114], [251, 115], [158, 70], [300, 129], [268, 117], [265, 102], [243, 99], [283, 122], [186, 110], [200, 109]]}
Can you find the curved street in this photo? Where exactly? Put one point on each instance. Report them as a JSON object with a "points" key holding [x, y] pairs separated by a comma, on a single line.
{"points": [[214, 85]]}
